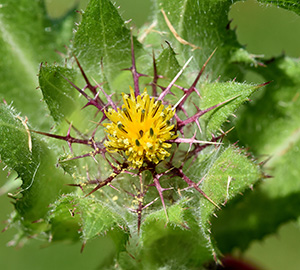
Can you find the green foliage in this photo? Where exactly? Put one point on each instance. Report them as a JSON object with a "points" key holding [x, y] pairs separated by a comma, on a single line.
{"points": [[167, 63], [35, 164], [103, 37], [234, 93], [89, 215], [161, 239], [212, 32], [292, 5], [270, 126], [185, 234], [27, 38], [57, 92]]}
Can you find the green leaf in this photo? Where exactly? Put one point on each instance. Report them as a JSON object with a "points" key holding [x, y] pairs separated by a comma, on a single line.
{"points": [[230, 173], [35, 164], [28, 37], [203, 25], [270, 127], [216, 93], [64, 219], [274, 202], [292, 5], [226, 173], [103, 36], [161, 239], [98, 219], [64, 102], [244, 58], [58, 93], [271, 122], [90, 216], [167, 68], [167, 64]]}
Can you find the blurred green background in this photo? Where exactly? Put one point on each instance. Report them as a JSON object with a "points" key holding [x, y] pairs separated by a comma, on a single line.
{"points": [[267, 31]]}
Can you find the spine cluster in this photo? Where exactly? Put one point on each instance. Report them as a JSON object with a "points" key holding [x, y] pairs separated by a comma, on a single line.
{"points": [[142, 133]]}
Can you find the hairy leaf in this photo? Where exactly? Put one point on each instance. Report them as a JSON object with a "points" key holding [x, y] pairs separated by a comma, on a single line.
{"points": [[102, 44], [161, 239], [200, 27], [215, 93], [57, 91], [167, 64], [90, 218], [28, 37], [103, 36], [270, 127], [222, 175], [35, 164], [292, 5]]}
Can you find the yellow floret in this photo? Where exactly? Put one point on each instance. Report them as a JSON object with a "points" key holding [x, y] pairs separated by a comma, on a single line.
{"points": [[140, 128]]}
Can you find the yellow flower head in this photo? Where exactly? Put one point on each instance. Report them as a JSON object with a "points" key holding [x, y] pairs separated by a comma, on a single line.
{"points": [[140, 129]]}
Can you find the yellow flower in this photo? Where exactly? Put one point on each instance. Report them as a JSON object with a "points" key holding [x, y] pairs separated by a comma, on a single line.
{"points": [[140, 128]]}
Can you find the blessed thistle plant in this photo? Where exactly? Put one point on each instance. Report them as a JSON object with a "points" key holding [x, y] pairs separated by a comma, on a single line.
{"points": [[141, 134], [152, 157]]}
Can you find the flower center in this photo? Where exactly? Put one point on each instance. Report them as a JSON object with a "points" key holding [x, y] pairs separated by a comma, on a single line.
{"points": [[140, 128]]}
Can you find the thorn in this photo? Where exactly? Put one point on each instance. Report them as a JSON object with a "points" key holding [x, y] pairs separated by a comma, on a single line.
{"points": [[191, 119], [178, 102], [146, 32], [150, 203], [97, 101], [155, 76], [202, 69], [135, 74], [130, 254], [37, 221], [195, 186], [267, 176], [160, 191], [108, 97], [83, 246], [264, 84], [108, 180], [167, 90], [92, 88], [191, 140], [62, 55], [66, 138], [5, 229]]}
